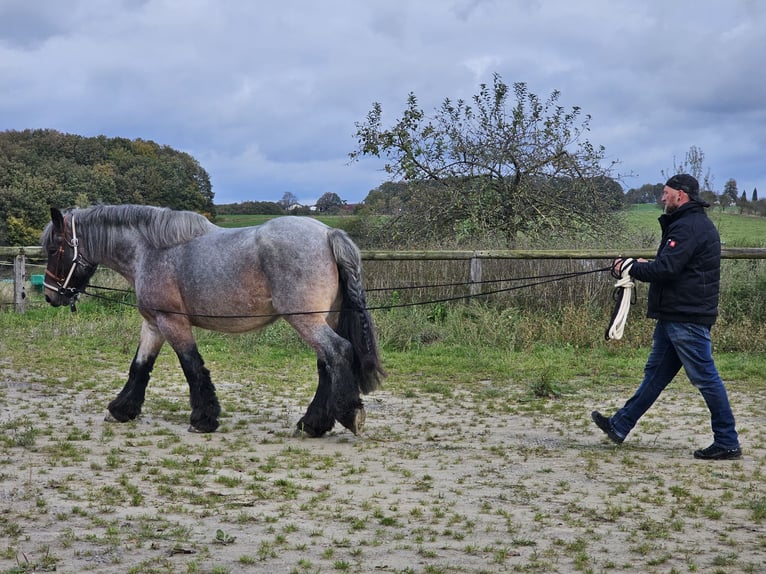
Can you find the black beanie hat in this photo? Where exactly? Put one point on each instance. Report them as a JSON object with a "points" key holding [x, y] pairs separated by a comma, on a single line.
{"points": [[685, 182]]}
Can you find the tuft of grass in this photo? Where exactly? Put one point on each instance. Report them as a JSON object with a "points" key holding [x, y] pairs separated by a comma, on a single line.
{"points": [[758, 508], [18, 433]]}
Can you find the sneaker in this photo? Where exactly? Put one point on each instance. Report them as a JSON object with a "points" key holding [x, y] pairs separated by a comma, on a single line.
{"points": [[605, 425], [715, 452]]}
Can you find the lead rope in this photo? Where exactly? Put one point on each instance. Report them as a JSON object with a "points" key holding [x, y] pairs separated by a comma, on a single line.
{"points": [[623, 293]]}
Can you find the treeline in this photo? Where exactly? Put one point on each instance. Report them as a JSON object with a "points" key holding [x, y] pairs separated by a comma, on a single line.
{"points": [[731, 197], [44, 168], [251, 208]]}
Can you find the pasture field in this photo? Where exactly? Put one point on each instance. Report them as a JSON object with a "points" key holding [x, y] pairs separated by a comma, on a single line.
{"points": [[250, 220], [735, 230], [476, 458], [241, 220], [641, 228], [640, 220]]}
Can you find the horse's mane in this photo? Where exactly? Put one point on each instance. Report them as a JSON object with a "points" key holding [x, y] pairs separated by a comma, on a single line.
{"points": [[159, 226]]}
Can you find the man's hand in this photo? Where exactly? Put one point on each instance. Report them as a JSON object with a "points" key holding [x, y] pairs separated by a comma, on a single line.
{"points": [[620, 261]]}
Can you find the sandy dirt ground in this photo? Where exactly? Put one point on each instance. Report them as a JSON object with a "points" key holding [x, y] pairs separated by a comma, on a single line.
{"points": [[482, 479]]}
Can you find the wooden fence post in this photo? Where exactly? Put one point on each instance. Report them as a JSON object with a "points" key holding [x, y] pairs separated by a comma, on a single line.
{"points": [[475, 276], [19, 279]]}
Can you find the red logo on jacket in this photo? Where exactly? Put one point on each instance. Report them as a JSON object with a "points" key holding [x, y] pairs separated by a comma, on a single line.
{"points": [[671, 242]]}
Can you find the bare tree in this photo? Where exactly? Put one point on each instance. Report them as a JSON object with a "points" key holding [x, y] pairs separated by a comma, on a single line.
{"points": [[693, 164], [288, 199]]}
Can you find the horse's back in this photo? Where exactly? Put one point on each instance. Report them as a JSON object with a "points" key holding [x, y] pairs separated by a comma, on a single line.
{"points": [[293, 248], [291, 229], [293, 241]]}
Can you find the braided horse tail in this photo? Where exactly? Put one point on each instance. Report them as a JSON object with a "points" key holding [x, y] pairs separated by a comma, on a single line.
{"points": [[355, 323]]}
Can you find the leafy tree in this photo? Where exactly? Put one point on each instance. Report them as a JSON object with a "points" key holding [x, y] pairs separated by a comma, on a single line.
{"points": [[755, 195], [730, 189], [329, 203], [505, 164], [19, 233], [250, 208], [389, 198], [647, 193], [44, 168]]}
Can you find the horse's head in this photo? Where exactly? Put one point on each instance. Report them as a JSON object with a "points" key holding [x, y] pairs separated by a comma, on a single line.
{"points": [[67, 272]]}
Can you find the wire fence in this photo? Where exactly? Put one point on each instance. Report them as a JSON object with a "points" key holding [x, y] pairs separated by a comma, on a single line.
{"points": [[527, 280]]}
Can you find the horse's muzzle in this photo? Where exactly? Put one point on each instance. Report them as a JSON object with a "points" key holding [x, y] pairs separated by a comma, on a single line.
{"points": [[56, 301], [61, 297]]}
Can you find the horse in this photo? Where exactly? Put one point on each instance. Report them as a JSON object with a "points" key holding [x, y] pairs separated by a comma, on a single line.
{"points": [[188, 272]]}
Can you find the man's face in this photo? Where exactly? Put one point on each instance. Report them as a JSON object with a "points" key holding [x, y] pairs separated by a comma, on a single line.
{"points": [[672, 199]]}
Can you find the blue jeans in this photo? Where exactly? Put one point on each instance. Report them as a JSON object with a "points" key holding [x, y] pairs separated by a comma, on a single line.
{"points": [[676, 345]]}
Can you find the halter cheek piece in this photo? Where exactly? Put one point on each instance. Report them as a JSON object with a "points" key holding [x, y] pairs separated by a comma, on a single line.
{"points": [[62, 284]]}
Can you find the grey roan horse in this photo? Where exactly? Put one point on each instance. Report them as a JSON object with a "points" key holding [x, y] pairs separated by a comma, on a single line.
{"points": [[189, 272]]}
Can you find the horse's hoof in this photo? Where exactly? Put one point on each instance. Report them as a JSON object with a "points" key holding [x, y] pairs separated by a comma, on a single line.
{"points": [[198, 430], [203, 422], [354, 419], [110, 418], [122, 411], [303, 430], [360, 416]]}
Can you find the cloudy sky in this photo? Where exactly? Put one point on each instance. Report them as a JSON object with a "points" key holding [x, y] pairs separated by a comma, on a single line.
{"points": [[266, 94]]}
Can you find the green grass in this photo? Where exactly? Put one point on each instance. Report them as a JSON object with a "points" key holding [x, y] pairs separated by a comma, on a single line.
{"points": [[242, 220], [740, 230], [641, 227], [736, 230], [466, 343], [250, 220]]}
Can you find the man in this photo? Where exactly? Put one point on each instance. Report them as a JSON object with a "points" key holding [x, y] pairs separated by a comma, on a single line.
{"points": [[684, 280]]}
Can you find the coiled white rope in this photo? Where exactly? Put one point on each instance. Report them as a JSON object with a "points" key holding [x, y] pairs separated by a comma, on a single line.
{"points": [[624, 295]]}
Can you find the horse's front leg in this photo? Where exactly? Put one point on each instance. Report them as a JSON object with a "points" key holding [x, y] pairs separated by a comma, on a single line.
{"points": [[127, 405], [177, 330], [204, 402]]}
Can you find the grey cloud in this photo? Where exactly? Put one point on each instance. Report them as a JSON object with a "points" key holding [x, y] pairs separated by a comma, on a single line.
{"points": [[25, 24], [266, 95]]}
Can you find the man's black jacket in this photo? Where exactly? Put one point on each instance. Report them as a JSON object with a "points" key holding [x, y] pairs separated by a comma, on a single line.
{"points": [[685, 276]]}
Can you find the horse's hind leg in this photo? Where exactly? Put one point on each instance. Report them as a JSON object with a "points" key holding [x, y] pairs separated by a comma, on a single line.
{"points": [[345, 399], [127, 405], [347, 404], [319, 417], [349, 409], [337, 396]]}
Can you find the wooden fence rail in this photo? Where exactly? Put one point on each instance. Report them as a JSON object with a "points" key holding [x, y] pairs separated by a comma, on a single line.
{"points": [[19, 255]]}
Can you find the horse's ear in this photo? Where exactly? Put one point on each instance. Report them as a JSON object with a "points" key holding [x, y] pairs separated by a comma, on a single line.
{"points": [[58, 220]]}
